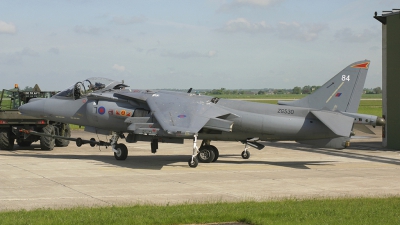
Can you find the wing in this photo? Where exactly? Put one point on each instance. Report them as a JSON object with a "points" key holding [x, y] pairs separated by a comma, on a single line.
{"points": [[182, 114]]}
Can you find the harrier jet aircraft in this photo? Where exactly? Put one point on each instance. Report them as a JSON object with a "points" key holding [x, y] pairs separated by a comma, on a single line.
{"points": [[323, 119]]}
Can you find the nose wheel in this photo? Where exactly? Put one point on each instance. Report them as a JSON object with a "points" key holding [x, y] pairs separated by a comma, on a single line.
{"points": [[120, 152]]}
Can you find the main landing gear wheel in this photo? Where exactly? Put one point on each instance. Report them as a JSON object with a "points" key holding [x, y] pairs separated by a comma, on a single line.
{"points": [[206, 154], [121, 152], [193, 163], [245, 154], [216, 152]]}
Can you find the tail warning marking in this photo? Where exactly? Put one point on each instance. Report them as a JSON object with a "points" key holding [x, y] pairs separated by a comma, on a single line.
{"points": [[361, 65]]}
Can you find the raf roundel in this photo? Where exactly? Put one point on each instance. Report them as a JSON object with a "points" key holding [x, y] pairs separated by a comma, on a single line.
{"points": [[101, 110]]}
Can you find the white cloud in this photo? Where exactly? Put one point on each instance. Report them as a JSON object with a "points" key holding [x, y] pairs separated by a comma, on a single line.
{"points": [[285, 30], [84, 30], [16, 57], [247, 3], [256, 2], [300, 32], [243, 25], [7, 28], [133, 20], [189, 54], [348, 35], [119, 68]]}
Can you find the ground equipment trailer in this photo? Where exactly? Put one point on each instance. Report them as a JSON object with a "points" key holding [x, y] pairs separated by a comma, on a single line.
{"points": [[12, 122]]}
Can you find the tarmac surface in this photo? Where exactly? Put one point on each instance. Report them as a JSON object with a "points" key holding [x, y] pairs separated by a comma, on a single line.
{"points": [[68, 177]]}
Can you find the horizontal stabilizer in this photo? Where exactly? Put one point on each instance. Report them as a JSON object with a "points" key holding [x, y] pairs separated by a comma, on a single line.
{"points": [[361, 137], [339, 124], [363, 128], [337, 143]]}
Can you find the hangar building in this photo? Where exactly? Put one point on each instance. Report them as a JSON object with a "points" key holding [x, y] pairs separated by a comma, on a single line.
{"points": [[390, 77]]}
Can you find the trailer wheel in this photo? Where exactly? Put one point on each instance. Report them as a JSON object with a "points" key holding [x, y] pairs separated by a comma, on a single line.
{"points": [[47, 143], [64, 131], [6, 140]]}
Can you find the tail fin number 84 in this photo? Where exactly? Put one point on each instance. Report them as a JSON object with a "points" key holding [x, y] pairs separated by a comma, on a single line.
{"points": [[345, 77]]}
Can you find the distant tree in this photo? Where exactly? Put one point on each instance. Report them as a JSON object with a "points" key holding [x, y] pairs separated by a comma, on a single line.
{"points": [[261, 92], [279, 91], [296, 90], [314, 88], [306, 90], [378, 90]]}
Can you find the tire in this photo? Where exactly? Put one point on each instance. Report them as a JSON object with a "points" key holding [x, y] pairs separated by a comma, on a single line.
{"points": [[47, 143], [216, 152], [122, 153], [245, 154], [65, 131], [6, 140], [193, 163], [24, 143], [206, 154]]}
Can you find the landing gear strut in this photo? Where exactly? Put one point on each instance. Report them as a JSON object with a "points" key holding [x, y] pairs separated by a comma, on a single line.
{"points": [[120, 150], [193, 162]]}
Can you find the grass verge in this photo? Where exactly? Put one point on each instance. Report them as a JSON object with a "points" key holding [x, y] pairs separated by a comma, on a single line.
{"points": [[292, 211]]}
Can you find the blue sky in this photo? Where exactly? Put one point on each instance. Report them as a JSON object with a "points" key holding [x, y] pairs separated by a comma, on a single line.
{"points": [[180, 44]]}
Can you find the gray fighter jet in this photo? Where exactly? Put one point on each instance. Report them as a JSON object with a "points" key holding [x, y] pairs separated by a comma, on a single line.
{"points": [[323, 119]]}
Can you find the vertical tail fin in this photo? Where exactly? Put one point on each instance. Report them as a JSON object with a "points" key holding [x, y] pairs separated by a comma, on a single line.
{"points": [[342, 92]]}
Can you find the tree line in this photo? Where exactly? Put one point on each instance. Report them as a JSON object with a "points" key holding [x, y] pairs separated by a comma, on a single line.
{"points": [[308, 89]]}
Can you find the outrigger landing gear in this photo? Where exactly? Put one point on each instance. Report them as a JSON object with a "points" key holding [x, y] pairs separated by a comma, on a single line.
{"points": [[246, 153], [253, 143], [193, 162]]}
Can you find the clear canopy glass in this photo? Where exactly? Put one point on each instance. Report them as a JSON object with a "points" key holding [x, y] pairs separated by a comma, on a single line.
{"points": [[93, 84]]}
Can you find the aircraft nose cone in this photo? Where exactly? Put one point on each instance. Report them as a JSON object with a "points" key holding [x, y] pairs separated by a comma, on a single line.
{"points": [[33, 108]]}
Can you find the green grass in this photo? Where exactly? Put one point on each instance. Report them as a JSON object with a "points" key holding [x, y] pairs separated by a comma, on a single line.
{"points": [[292, 211], [76, 127], [372, 107]]}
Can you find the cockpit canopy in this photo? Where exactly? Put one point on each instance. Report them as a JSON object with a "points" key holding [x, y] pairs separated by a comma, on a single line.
{"points": [[90, 85]]}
